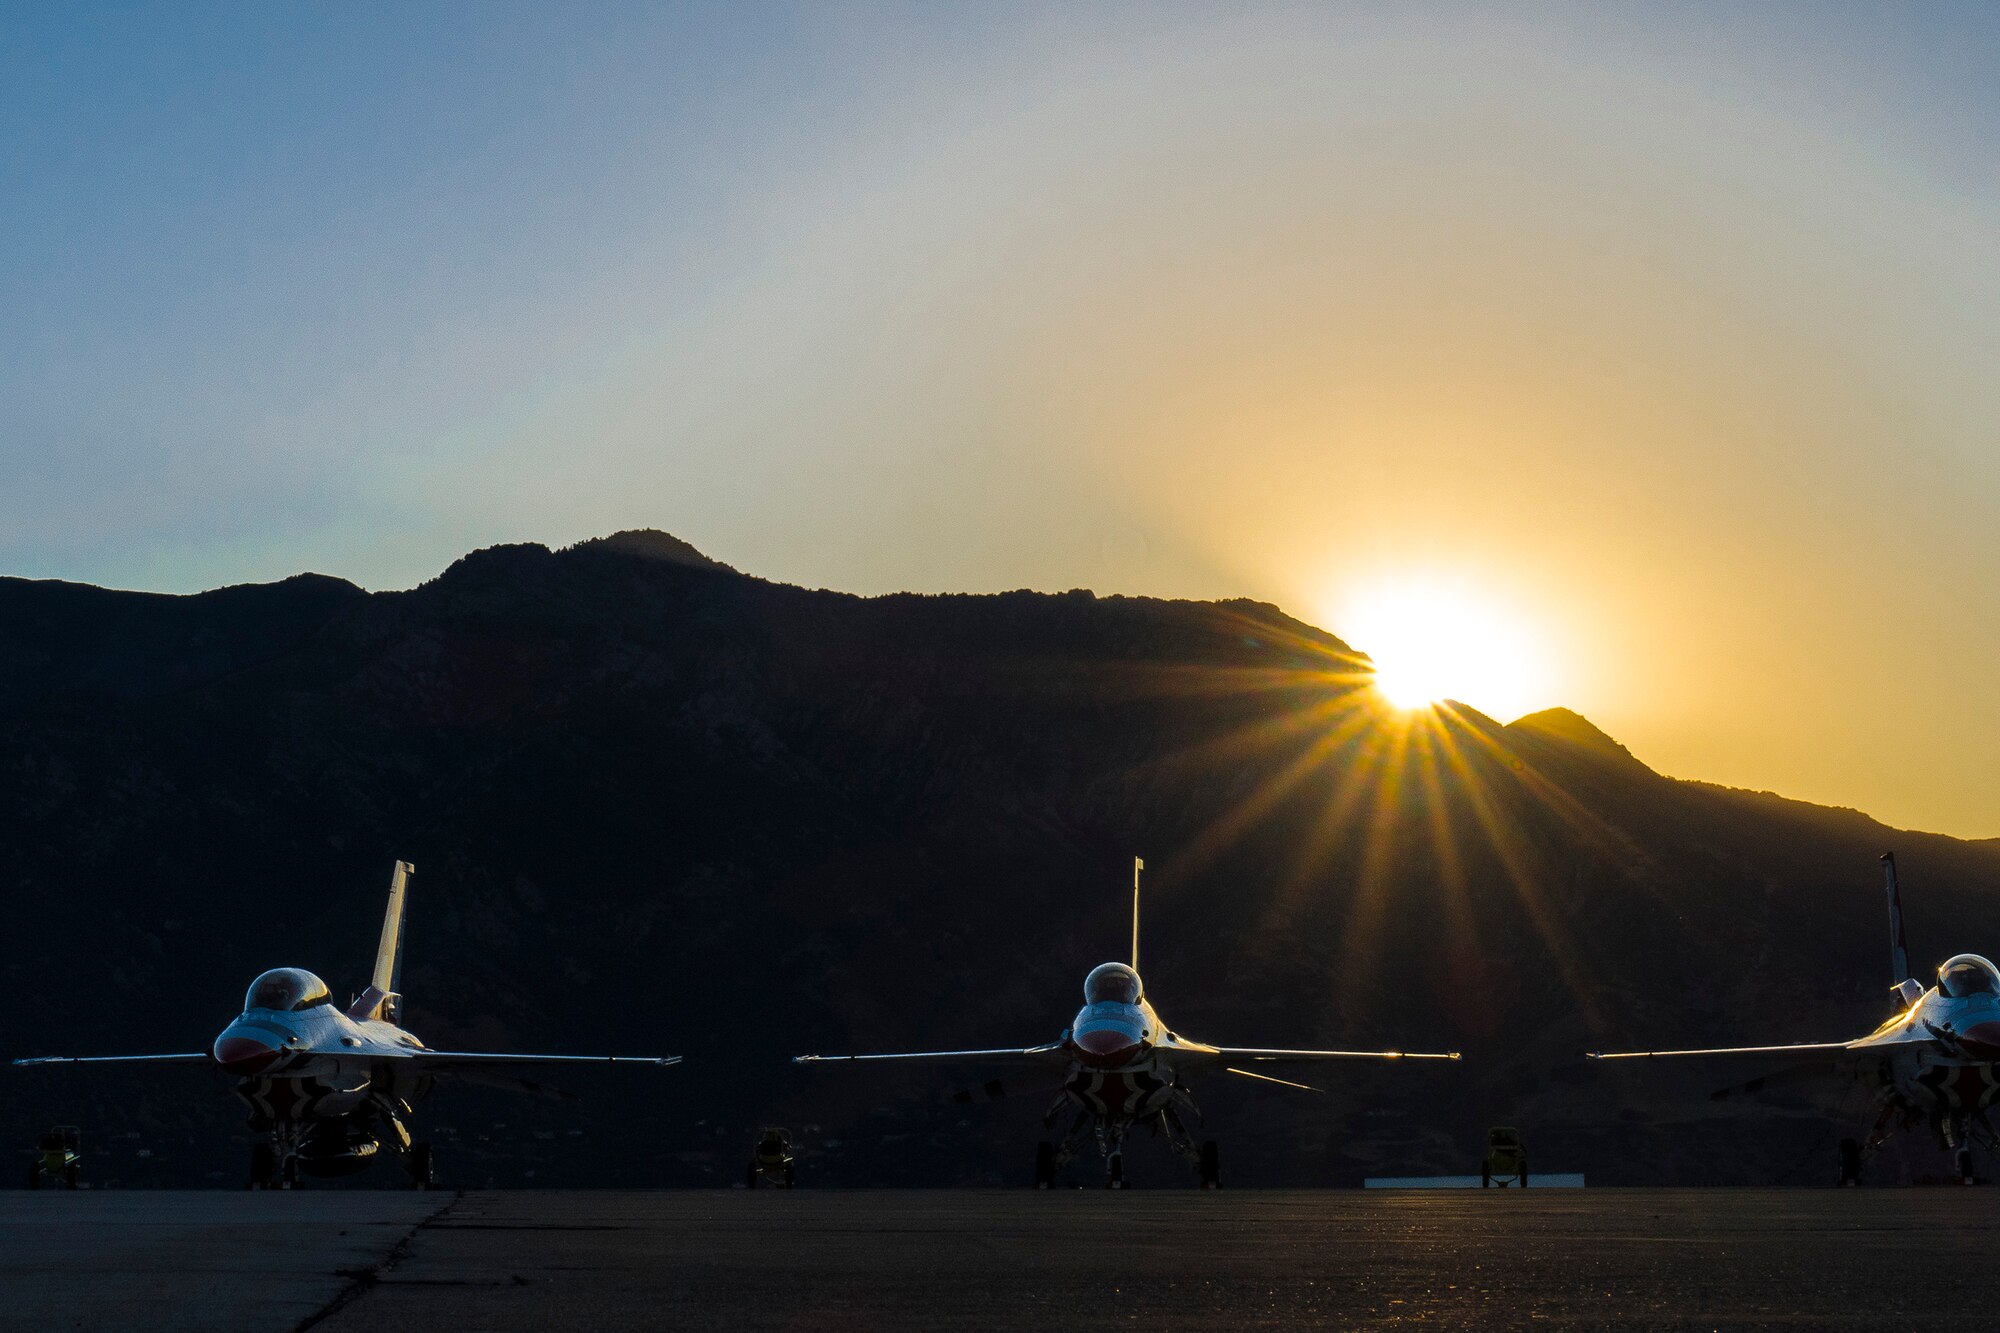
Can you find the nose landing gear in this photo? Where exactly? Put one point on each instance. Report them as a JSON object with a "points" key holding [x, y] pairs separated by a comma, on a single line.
{"points": [[274, 1167], [263, 1166], [1958, 1133], [1045, 1165], [1206, 1157], [422, 1166], [1850, 1164]]}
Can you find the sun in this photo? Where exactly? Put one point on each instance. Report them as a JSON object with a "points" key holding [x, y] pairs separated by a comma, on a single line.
{"points": [[1433, 639]]}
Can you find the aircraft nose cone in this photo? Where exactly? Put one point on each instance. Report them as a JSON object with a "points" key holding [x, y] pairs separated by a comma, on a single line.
{"points": [[242, 1053], [1105, 1047], [1982, 1040]]}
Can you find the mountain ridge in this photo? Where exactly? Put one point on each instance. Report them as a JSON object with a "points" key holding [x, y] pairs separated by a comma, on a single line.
{"points": [[517, 558], [1557, 724]]}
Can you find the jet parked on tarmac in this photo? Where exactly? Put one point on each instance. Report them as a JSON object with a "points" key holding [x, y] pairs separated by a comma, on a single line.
{"points": [[332, 1089], [1121, 1067], [1938, 1059]]}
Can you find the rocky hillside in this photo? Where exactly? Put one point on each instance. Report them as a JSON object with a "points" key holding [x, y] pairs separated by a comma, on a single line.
{"points": [[658, 805]]}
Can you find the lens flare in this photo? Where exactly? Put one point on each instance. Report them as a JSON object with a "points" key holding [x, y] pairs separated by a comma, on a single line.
{"points": [[1432, 640]]}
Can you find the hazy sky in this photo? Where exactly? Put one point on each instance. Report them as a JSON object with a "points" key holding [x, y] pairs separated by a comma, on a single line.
{"points": [[1670, 332]]}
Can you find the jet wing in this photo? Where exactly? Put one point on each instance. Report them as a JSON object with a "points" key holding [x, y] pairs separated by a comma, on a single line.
{"points": [[509, 1070], [181, 1058], [512, 1070], [1262, 1054], [1796, 1048], [1050, 1053], [454, 1062], [438, 1062], [1837, 1060]]}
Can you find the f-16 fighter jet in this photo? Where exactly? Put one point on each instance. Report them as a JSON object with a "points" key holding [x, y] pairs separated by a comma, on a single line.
{"points": [[1121, 1067], [1938, 1059], [331, 1088]]}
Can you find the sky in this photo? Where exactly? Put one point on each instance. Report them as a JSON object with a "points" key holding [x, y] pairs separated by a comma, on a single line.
{"points": [[1663, 336]]}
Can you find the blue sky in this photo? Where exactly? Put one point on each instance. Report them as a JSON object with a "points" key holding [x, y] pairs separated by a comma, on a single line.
{"points": [[1671, 327]]}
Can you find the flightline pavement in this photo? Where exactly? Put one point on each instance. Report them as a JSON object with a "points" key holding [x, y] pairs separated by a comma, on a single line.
{"points": [[341, 1261]]}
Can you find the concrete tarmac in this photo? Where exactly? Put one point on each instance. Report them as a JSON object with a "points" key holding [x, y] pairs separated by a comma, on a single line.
{"points": [[1181, 1259], [164, 1261]]}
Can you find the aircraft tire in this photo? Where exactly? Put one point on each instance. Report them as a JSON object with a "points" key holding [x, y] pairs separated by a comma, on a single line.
{"points": [[1045, 1165], [422, 1164], [263, 1166], [1211, 1165], [1963, 1160], [791, 1177], [34, 1175], [1850, 1163], [1114, 1178], [69, 1176], [288, 1174]]}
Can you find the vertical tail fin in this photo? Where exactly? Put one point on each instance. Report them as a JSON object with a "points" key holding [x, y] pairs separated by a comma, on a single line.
{"points": [[1137, 866], [389, 954], [1899, 949], [383, 998]]}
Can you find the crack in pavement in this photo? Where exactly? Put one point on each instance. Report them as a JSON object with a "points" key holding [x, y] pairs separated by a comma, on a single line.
{"points": [[361, 1281]]}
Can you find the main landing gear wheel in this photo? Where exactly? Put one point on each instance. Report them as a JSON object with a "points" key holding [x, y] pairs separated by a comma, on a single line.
{"points": [[1211, 1166], [422, 1167], [1850, 1163], [791, 1176], [288, 1174], [34, 1175], [263, 1166], [1963, 1160], [1045, 1166], [750, 1174], [1114, 1177], [69, 1176]]}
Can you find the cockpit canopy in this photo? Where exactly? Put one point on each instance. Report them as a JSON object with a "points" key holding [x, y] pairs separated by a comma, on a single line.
{"points": [[290, 988], [1111, 983], [1968, 974]]}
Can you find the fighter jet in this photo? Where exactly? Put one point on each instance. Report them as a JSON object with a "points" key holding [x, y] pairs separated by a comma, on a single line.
{"points": [[330, 1089], [1121, 1067], [1937, 1059]]}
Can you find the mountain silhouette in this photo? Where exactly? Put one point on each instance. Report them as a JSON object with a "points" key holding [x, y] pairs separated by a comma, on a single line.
{"points": [[657, 805]]}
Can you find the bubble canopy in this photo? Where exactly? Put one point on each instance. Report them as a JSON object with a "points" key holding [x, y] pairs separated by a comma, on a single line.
{"points": [[1968, 974], [1111, 983], [287, 989]]}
